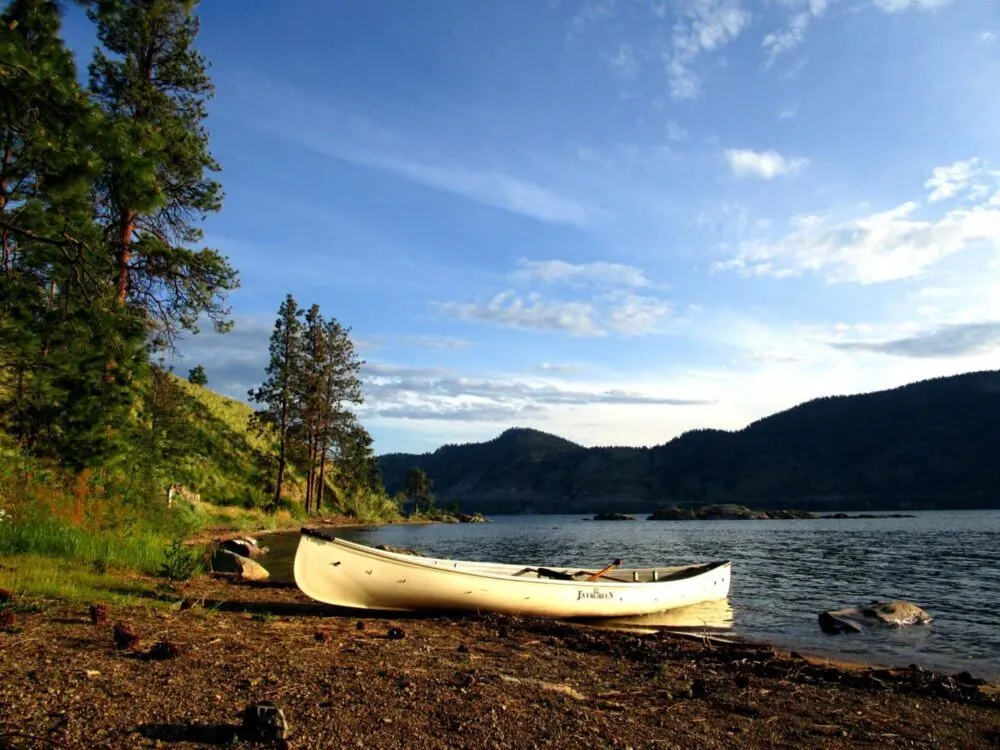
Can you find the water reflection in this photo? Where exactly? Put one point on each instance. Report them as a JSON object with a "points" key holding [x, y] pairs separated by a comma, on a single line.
{"points": [[703, 618]]}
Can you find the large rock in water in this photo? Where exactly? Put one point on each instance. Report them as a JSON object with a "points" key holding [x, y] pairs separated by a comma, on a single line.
{"points": [[894, 614], [224, 561]]}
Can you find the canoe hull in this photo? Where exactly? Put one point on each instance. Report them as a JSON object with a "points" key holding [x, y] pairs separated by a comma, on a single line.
{"points": [[345, 574]]}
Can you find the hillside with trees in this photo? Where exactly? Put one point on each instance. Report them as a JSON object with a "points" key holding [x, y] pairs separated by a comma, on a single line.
{"points": [[925, 445], [103, 190]]}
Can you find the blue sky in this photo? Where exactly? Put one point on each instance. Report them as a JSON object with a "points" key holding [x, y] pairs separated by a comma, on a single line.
{"points": [[614, 221]]}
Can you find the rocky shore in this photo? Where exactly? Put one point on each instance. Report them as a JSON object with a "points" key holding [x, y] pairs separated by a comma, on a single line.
{"points": [[182, 673]]}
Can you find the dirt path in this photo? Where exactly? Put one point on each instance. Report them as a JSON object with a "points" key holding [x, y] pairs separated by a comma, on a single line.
{"points": [[471, 682]]}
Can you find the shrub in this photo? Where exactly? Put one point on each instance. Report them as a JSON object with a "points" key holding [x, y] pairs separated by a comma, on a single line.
{"points": [[180, 562]]}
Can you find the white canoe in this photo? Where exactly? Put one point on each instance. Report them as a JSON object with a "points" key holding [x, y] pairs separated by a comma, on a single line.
{"points": [[345, 574]]}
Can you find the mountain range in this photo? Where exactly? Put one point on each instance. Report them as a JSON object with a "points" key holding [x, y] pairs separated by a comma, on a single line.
{"points": [[932, 444]]}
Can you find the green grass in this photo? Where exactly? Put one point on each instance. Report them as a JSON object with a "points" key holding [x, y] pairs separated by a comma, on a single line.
{"points": [[51, 578], [138, 549]]}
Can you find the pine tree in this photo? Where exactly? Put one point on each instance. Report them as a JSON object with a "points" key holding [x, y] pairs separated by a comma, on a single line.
{"points": [[418, 488], [56, 317], [338, 426], [198, 376], [153, 85], [281, 412], [311, 396]]}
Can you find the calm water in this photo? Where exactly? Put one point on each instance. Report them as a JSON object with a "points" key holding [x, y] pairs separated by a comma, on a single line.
{"points": [[784, 572]]}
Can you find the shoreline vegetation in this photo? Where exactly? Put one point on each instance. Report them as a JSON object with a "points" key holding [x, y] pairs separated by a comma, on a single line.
{"points": [[127, 675]]}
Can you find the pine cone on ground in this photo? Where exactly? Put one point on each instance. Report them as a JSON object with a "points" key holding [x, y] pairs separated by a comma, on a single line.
{"points": [[164, 650], [125, 635], [98, 614]]}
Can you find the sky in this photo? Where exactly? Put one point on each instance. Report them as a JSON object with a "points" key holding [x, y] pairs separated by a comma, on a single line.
{"points": [[611, 220]]}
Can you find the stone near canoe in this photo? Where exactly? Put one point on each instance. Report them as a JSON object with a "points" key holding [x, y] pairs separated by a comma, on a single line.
{"points": [[263, 723], [894, 614], [245, 547], [224, 561]]}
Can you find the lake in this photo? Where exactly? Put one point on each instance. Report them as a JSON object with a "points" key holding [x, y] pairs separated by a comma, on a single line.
{"points": [[784, 572]]}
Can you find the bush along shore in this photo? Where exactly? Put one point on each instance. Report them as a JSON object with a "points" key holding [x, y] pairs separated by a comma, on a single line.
{"points": [[208, 662]]}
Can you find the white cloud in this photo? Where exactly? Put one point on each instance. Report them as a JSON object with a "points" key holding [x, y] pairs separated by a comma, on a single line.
{"points": [[701, 26], [764, 164], [947, 182], [895, 6], [987, 37], [507, 309], [879, 247], [788, 38], [633, 315], [794, 33], [559, 367], [561, 271], [621, 313]]}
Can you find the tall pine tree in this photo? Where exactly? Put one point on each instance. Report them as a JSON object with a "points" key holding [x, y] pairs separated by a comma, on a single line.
{"points": [[278, 394], [153, 85], [58, 323]]}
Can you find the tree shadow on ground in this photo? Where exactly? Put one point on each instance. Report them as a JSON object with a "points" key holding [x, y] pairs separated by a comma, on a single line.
{"points": [[206, 734]]}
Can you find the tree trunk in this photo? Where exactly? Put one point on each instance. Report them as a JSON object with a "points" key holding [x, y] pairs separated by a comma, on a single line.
{"points": [[281, 469], [322, 471], [80, 487], [311, 472], [8, 157], [124, 255]]}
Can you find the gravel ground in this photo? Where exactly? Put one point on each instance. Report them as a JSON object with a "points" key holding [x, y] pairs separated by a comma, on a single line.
{"points": [[462, 682]]}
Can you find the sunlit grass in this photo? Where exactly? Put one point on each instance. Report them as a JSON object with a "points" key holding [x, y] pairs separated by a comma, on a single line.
{"points": [[136, 549], [51, 578]]}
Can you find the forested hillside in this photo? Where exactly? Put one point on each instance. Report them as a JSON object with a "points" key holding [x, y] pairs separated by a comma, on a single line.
{"points": [[924, 445], [104, 186]]}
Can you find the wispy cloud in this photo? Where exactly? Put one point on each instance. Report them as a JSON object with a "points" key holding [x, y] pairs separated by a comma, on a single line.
{"points": [[949, 181], [632, 315], [701, 26], [497, 189], [947, 342], [767, 165], [561, 271], [399, 393], [623, 62], [987, 37], [299, 117], [676, 133], [510, 310], [794, 33], [878, 247], [557, 367], [621, 313], [895, 6], [787, 113]]}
